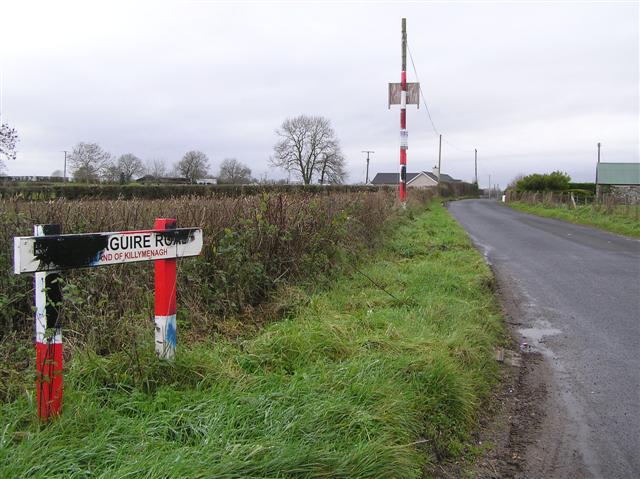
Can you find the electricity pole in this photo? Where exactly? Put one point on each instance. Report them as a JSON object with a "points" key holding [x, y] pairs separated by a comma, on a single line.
{"points": [[367, 152], [489, 186], [403, 116], [65, 165], [597, 170], [404, 94], [476, 163], [439, 158]]}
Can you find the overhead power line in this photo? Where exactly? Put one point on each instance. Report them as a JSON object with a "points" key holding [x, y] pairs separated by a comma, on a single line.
{"points": [[424, 101], [415, 71]]}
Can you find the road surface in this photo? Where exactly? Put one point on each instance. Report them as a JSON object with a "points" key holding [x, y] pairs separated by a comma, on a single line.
{"points": [[578, 303]]}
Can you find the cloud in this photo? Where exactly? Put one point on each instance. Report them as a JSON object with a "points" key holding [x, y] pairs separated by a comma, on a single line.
{"points": [[533, 86]]}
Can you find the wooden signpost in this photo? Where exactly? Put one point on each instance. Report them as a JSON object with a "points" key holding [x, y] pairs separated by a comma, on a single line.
{"points": [[48, 252]]}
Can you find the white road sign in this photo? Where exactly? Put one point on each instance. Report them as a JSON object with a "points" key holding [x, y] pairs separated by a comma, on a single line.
{"points": [[62, 252]]}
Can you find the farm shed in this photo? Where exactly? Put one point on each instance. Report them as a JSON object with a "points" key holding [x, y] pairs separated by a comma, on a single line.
{"points": [[620, 179]]}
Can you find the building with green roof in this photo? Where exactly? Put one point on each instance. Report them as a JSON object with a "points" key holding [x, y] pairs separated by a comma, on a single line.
{"points": [[620, 179], [618, 174]]}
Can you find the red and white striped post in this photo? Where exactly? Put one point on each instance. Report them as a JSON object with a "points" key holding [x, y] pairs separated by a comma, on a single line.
{"points": [[403, 117], [48, 337], [165, 302], [48, 252]]}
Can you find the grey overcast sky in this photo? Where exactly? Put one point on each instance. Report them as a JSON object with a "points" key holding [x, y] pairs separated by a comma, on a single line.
{"points": [[532, 85]]}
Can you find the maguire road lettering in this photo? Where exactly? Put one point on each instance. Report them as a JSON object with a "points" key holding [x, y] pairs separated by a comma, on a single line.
{"points": [[62, 252]]}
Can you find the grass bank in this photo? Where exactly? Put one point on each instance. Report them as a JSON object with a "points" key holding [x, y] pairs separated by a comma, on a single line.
{"points": [[359, 381], [621, 219]]}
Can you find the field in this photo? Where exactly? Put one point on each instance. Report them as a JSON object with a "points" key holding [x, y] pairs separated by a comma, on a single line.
{"points": [[619, 219], [296, 356], [255, 247]]}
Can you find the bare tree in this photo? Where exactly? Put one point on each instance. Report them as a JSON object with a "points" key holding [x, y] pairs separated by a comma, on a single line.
{"points": [[85, 174], [112, 174], [194, 165], [88, 161], [234, 172], [331, 166], [57, 174], [306, 142], [156, 167], [130, 165], [8, 141]]}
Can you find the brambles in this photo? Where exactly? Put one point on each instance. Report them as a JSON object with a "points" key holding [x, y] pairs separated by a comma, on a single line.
{"points": [[254, 245], [353, 384]]}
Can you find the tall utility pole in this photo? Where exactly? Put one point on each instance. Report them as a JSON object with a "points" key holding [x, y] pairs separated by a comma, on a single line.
{"points": [[476, 163], [439, 158], [404, 94], [403, 116], [367, 152], [65, 165], [597, 170], [490, 186]]}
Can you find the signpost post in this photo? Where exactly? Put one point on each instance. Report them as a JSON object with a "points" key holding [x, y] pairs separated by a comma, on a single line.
{"points": [[48, 252], [48, 336], [165, 307]]}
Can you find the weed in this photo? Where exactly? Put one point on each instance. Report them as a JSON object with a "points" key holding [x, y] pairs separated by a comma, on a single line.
{"points": [[352, 384], [620, 219]]}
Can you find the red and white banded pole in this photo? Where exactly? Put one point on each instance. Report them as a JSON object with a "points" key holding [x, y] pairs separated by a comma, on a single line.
{"points": [[48, 337], [165, 302], [403, 117]]}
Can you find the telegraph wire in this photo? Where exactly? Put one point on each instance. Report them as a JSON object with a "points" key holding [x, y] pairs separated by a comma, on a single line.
{"points": [[424, 102], [421, 92]]}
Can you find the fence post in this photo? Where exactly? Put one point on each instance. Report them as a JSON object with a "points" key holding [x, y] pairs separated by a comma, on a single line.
{"points": [[48, 337], [165, 299]]}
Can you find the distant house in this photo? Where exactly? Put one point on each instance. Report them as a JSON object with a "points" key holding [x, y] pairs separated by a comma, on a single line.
{"points": [[31, 179], [161, 180], [620, 179], [207, 181], [422, 179]]}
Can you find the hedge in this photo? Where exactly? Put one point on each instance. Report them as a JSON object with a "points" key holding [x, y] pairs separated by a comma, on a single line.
{"points": [[75, 191]]}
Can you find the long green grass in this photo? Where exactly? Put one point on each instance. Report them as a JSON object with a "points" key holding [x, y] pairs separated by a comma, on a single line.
{"points": [[623, 220], [357, 382]]}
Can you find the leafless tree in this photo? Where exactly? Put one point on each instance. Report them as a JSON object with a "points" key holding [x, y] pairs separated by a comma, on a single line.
{"points": [[129, 165], [85, 174], [234, 172], [88, 161], [194, 165], [306, 147], [8, 141], [156, 167], [331, 166], [57, 174], [112, 174]]}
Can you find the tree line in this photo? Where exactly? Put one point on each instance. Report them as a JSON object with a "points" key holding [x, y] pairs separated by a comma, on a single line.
{"points": [[307, 149], [89, 163], [555, 181]]}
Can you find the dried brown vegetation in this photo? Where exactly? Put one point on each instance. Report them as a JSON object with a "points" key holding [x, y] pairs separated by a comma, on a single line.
{"points": [[254, 246]]}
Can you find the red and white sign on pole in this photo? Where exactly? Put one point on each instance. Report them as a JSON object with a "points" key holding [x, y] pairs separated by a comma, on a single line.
{"points": [[48, 252], [404, 94]]}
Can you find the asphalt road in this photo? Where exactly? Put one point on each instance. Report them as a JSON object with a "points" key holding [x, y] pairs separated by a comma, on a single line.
{"points": [[578, 302]]}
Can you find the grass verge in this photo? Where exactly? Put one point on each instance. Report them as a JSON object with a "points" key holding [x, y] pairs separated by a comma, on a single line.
{"points": [[622, 220], [357, 382]]}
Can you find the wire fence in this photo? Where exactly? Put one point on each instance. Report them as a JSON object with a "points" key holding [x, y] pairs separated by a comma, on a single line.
{"points": [[605, 202]]}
